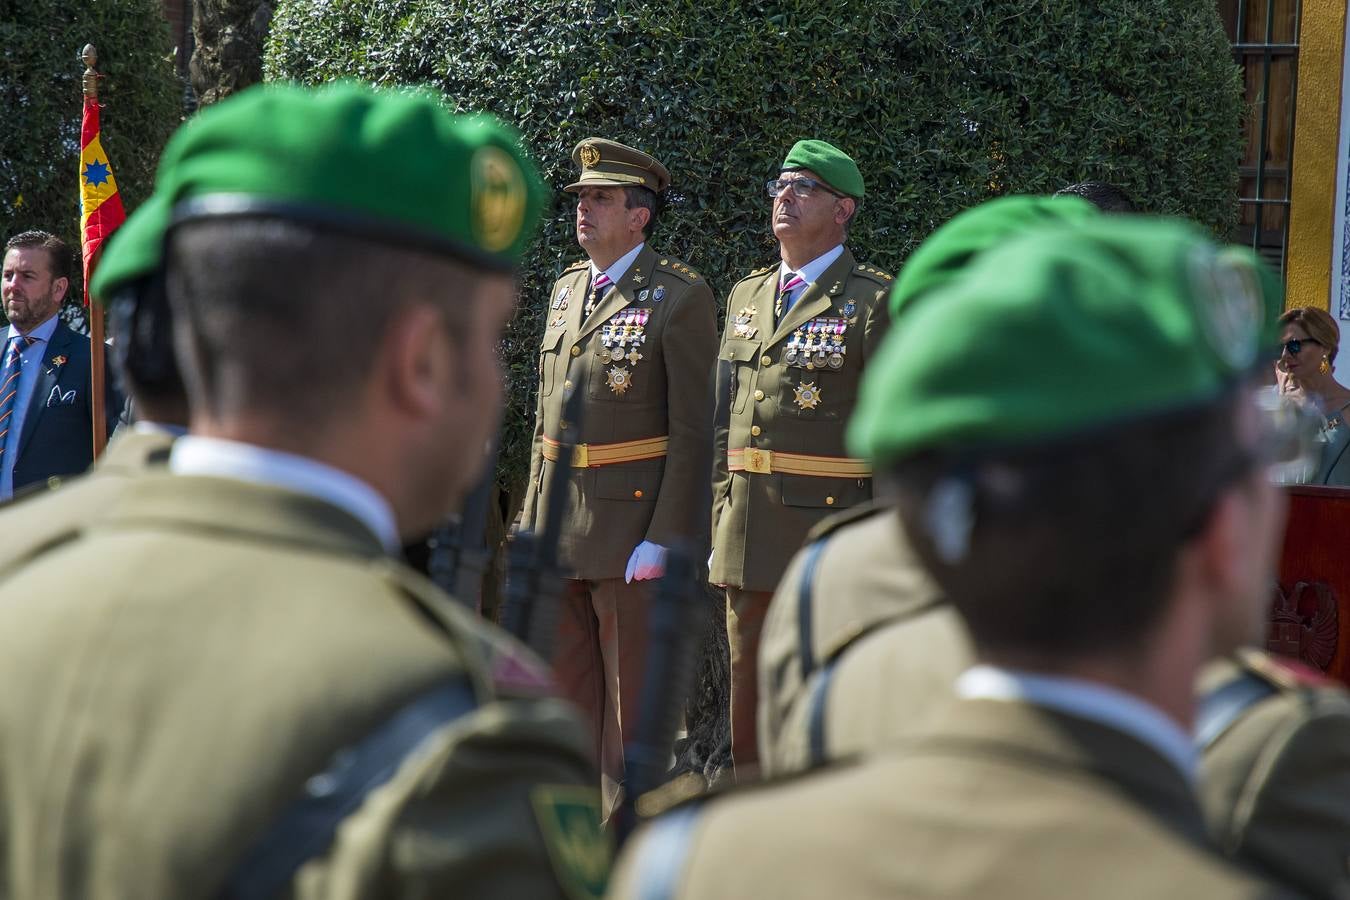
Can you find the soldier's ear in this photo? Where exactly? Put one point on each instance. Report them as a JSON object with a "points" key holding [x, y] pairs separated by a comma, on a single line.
{"points": [[843, 210], [639, 216], [411, 362]]}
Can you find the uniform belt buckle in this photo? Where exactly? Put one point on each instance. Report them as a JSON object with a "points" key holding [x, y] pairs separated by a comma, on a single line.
{"points": [[581, 459], [759, 461]]}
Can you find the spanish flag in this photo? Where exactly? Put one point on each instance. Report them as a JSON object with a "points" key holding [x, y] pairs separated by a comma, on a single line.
{"points": [[100, 205]]}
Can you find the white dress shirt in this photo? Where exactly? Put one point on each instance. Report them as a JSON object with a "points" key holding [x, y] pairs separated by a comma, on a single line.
{"points": [[620, 266], [809, 273]]}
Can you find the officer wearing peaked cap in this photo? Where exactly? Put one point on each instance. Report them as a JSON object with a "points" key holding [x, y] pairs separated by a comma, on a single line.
{"points": [[241, 692], [797, 339], [635, 331], [1064, 765]]}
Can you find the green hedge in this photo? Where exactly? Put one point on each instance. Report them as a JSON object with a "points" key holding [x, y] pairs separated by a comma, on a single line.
{"points": [[41, 99], [942, 102]]}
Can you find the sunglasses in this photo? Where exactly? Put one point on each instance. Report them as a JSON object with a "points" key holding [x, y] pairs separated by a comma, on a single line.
{"points": [[801, 187], [1293, 347]]}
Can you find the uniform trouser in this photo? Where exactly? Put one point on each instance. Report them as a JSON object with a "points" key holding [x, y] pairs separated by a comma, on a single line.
{"points": [[745, 621], [599, 666]]}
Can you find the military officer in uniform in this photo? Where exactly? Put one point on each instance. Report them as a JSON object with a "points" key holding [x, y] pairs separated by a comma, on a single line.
{"points": [[797, 339], [232, 687], [1064, 767], [858, 645], [635, 331]]}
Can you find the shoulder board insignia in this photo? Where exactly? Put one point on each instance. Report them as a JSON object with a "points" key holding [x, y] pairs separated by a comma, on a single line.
{"points": [[1282, 672], [679, 268], [761, 271], [579, 264], [873, 273], [831, 524]]}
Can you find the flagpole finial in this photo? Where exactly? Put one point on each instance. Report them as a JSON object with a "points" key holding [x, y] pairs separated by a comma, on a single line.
{"points": [[90, 57]]}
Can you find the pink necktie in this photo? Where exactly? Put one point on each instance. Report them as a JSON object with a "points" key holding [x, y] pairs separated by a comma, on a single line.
{"points": [[597, 291], [785, 294]]}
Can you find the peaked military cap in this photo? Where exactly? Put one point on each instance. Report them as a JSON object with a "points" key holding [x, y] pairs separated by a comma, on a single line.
{"points": [[378, 164], [605, 163], [835, 167]]}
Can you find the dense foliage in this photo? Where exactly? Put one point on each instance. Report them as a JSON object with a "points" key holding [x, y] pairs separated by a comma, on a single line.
{"points": [[40, 102], [942, 102]]}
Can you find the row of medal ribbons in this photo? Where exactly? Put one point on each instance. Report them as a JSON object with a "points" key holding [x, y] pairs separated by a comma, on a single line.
{"points": [[817, 344], [621, 336]]}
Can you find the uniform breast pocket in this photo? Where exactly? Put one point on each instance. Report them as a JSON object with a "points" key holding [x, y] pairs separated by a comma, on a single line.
{"points": [[549, 354], [624, 375], [744, 356]]}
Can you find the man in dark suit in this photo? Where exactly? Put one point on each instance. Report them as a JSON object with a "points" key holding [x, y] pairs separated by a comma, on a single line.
{"points": [[44, 373]]}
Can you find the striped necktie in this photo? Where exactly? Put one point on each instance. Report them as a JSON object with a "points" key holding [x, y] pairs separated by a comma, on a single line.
{"points": [[785, 295], [9, 384], [597, 291]]}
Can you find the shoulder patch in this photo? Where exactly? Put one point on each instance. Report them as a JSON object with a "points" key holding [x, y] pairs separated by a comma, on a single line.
{"points": [[757, 274], [580, 850], [579, 264], [831, 524], [874, 274], [671, 264]]}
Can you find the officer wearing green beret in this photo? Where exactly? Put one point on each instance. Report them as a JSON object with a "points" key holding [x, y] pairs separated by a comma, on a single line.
{"points": [[1275, 775], [1064, 765], [797, 339], [635, 331], [231, 686], [858, 644]]}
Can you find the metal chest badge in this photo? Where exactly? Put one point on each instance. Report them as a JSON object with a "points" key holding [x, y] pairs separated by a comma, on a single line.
{"points": [[618, 380], [659, 294], [740, 323], [620, 339], [808, 395]]}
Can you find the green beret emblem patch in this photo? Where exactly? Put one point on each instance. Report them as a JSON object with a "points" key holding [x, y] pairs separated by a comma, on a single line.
{"points": [[580, 850], [498, 200]]}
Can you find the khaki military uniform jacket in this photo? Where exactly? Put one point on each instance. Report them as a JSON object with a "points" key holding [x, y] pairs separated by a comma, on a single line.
{"points": [[628, 402], [1275, 778], [858, 647], [180, 672], [994, 799], [762, 512], [36, 518]]}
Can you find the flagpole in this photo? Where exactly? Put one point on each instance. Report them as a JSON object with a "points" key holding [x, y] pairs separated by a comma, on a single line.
{"points": [[97, 399]]}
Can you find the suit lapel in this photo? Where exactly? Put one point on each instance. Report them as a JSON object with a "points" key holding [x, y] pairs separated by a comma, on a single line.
{"points": [[817, 298], [637, 278], [46, 381]]}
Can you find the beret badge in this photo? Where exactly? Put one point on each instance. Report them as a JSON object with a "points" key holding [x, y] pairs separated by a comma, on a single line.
{"points": [[498, 198]]}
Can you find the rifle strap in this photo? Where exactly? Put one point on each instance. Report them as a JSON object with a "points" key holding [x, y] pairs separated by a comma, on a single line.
{"points": [[1223, 706], [805, 596], [306, 829]]}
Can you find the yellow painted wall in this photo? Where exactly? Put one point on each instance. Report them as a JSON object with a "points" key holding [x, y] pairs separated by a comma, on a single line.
{"points": [[1312, 195]]}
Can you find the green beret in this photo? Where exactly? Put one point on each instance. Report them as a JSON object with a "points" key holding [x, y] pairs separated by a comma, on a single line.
{"points": [[952, 247], [378, 164], [1064, 329], [833, 166]]}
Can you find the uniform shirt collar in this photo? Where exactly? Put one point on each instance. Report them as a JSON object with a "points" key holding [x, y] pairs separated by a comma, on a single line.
{"points": [[41, 333], [196, 455], [620, 266], [812, 271], [1085, 700]]}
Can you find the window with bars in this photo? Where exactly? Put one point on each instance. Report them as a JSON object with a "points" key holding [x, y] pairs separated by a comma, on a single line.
{"points": [[1264, 34]]}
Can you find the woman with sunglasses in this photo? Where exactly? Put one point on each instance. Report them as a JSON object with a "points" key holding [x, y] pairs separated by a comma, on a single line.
{"points": [[1310, 338]]}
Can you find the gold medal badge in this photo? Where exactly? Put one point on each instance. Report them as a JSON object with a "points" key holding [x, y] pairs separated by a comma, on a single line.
{"points": [[808, 395], [618, 380], [589, 156]]}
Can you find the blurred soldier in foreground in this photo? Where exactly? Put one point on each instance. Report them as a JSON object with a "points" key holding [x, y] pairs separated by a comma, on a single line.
{"points": [[1064, 766], [635, 330], [798, 337], [859, 645], [231, 689]]}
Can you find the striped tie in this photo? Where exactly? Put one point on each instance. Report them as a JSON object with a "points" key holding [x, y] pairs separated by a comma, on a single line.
{"points": [[785, 295], [9, 384], [597, 291]]}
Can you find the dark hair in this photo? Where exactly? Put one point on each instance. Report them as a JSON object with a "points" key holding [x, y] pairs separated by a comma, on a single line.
{"points": [[58, 251], [1319, 324], [647, 199], [285, 317], [1072, 548], [1106, 197], [142, 350]]}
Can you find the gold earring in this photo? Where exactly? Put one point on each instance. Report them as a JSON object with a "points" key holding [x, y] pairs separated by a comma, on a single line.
{"points": [[1324, 366]]}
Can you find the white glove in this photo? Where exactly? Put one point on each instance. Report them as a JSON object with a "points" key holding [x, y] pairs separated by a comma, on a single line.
{"points": [[648, 561]]}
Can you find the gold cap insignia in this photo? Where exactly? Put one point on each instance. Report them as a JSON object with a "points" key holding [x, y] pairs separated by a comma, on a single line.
{"points": [[589, 156], [497, 198]]}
